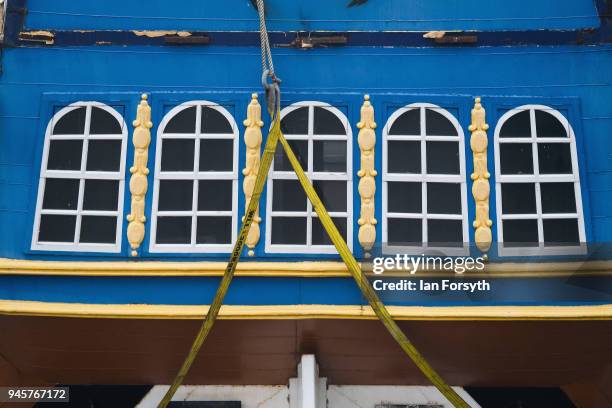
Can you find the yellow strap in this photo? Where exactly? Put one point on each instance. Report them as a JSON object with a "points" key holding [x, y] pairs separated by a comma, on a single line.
{"points": [[366, 289], [213, 312], [364, 285]]}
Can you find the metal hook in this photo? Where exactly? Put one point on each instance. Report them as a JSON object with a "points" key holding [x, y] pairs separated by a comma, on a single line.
{"points": [[272, 92]]}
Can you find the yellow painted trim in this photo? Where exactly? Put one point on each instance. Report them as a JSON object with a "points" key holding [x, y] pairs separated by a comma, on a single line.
{"points": [[252, 141], [285, 269], [481, 189], [141, 139], [284, 312], [367, 185]]}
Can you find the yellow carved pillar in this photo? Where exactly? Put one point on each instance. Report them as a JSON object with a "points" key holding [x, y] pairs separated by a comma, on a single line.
{"points": [[138, 181], [367, 184], [252, 140], [481, 188]]}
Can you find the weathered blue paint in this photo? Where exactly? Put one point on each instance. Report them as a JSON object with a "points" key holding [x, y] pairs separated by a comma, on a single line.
{"points": [[36, 81], [287, 291], [571, 78], [239, 15]]}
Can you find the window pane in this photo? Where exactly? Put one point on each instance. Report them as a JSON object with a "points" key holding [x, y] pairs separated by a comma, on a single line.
{"points": [[299, 148], [175, 195], [177, 155], [404, 231], [103, 122], [215, 195], [289, 230], [520, 232], [407, 124], [65, 155], [518, 198], [56, 228], [319, 235], [561, 232], [404, 197], [101, 195], [214, 121], [438, 125], [445, 232], [518, 125], [214, 230], [329, 156], [332, 193], [443, 198], [72, 123], [443, 157], [216, 155], [61, 194], [103, 155], [548, 126], [183, 122], [288, 195], [554, 158], [404, 157], [558, 198], [327, 123], [98, 229], [516, 158], [295, 122], [173, 230]]}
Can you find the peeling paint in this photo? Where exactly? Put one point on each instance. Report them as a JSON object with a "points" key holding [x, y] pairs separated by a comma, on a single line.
{"points": [[39, 36], [434, 34], [38, 33], [161, 33]]}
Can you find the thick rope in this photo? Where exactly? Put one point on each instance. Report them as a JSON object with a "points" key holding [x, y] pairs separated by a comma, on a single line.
{"points": [[266, 53]]}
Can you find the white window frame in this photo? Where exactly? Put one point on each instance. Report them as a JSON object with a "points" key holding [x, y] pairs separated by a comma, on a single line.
{"points": [[309, 214], [81, 175], [536, 179], [423, 178], [195, 175]]}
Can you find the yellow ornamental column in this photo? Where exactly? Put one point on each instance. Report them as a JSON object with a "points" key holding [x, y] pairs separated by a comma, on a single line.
{"points": [[367, 184], [138, 181], [481, 188], [252, 140]]}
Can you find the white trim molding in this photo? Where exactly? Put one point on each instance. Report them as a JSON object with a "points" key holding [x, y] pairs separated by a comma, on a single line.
{"points": [[195, 175], [423, 178], [81, 175], [309, 213], [537, 179]]}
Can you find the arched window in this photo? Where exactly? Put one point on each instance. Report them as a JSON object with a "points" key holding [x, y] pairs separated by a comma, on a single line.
{"points": [[537, 182], [424, 184], [195, 197], [321, 138], [80, 193]]}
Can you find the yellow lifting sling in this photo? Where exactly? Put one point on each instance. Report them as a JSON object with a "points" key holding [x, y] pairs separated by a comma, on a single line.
{"points": [[275, 135], [366, 289]]}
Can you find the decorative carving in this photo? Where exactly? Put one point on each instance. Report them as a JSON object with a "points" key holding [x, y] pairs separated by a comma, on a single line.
{"points": [[138, 181], [367, 185], [252, 140], [481, 188]]}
